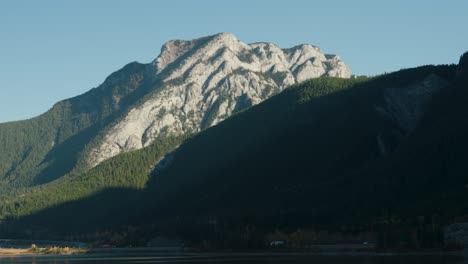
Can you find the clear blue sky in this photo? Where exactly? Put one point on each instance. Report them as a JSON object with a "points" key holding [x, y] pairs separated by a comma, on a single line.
{"points": [[51, 50]]}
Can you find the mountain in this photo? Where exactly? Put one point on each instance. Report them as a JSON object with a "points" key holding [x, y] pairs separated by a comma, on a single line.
{"points": [[326, 160], [49, 146], [190, 86], [206, 80], [152, 153]]}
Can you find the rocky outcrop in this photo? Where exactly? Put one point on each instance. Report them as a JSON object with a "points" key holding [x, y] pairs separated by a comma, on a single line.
{"points": [[404, 107], [204, 81]]}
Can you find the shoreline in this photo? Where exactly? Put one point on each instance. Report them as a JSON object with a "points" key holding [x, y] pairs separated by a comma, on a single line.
{"points": [[41, 251], [76, 251], [15, 252]]}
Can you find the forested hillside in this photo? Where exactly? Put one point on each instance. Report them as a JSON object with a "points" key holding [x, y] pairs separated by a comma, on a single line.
{"points": [[190, 86], [47, 147], [346, 156]]}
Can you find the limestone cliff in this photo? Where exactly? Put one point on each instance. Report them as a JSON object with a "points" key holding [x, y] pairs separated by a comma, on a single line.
{"points": [[204, 81]]}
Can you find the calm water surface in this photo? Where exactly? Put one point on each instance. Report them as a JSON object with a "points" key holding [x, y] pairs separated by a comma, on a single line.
{"points": [[141, 257]]}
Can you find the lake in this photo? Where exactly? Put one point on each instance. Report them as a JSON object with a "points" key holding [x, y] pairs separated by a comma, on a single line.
{"points": [[148, 257]]}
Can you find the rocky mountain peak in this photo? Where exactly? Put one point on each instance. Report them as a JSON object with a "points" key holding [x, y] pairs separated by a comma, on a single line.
{"points": [[205, 80], [177, 49]]}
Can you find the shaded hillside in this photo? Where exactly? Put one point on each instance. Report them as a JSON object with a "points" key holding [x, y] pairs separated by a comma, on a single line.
{"points": [[128, 170], [329, 154], [307, 158]]}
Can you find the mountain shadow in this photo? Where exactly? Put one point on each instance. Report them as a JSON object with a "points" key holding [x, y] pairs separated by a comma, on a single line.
{"points": [[385, 155], [105, 210]]}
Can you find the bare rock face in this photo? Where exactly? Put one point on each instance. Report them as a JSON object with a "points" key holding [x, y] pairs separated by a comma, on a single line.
{"points": [[206, 80], [405, 106]]}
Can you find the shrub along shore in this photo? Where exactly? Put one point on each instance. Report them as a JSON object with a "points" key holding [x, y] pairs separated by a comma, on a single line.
{"points": [[34, 250]]}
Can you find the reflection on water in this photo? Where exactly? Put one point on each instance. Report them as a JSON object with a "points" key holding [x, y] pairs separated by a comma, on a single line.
{"points": [[141, 257]]}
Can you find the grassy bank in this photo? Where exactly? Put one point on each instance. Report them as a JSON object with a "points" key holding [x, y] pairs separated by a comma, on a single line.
{"points": [[34, 250]]}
